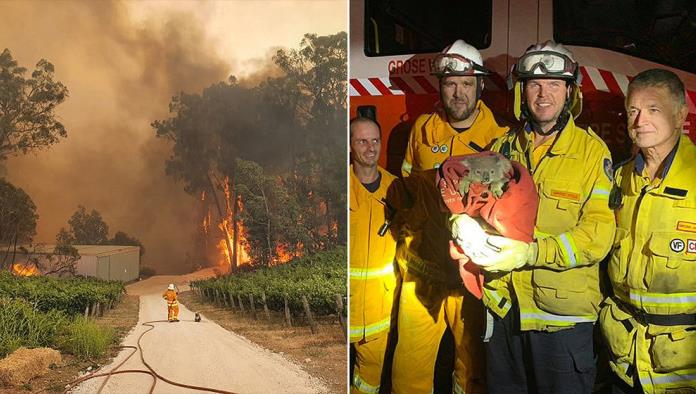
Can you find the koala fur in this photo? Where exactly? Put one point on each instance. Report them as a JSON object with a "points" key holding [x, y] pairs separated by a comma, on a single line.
{"points": [[488, 170]]}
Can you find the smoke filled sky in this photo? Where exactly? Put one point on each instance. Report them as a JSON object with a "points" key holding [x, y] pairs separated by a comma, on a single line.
{"points": [[122, 62]]}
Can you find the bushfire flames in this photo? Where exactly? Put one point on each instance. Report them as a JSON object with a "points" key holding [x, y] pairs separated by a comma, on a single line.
{"points": [[20, 269], [282, 254]]}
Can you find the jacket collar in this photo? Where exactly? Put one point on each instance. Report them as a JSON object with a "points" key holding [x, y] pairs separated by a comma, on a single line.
{"points": [[357, 190], [435, 134], [561, 146]]}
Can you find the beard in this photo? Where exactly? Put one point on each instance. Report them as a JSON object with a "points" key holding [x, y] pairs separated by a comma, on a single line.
{"points": [[458, 110]]}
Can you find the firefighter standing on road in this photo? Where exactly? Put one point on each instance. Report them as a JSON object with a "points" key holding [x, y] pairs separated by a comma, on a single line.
{"points": [[172, 303], [372, 246], [650, 322], [543, 297], [432, 296]]}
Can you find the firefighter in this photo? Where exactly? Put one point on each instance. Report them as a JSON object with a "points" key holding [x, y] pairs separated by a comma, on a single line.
{"points": [[372, 247], [170, 295], [432, 297], [650, 321], [462, 123], [543, 297]]}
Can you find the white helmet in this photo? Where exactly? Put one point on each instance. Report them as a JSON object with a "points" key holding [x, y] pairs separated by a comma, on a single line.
{"points": [[459, 59], [547, 60], [171, 286]]}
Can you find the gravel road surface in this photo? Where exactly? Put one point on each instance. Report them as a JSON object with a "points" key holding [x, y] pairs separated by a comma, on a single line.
{"points": [[199, 354]]}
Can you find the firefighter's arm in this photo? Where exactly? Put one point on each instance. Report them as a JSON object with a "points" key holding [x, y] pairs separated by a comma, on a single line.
{"points": [[590, 240], [407, 164]]}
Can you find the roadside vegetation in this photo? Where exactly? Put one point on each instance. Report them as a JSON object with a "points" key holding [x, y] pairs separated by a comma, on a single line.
{"points": [[46, 311], [319, 277]]}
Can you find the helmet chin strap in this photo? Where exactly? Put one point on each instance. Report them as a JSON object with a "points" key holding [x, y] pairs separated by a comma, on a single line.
{"points": [[479, 87]]}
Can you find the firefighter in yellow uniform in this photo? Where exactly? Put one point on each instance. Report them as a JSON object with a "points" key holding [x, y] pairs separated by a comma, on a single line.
{"points": [[170, 295], [650, 321], [543, 297], [432, 297], [462, 123], [372, 248]]}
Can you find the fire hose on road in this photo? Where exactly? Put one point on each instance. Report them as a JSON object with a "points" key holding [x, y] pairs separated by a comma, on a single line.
{"points": [[150, 371]]}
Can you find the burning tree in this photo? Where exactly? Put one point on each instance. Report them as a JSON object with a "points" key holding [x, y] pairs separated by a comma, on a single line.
{"points": [[272, 215], [289, 133]]}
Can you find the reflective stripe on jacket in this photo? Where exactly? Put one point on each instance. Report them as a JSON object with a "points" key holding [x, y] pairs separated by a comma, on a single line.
{"points": [[653, 271], [574, 230], [372, 277], [656, 232], [432, 139]]}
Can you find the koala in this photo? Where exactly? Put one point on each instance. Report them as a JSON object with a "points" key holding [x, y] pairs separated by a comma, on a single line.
{"points": [[491, 170]]}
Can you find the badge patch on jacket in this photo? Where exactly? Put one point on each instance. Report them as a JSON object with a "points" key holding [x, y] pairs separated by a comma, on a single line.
{"points": [[677, 245], [686, 226], [691, 246], [565, 194]]}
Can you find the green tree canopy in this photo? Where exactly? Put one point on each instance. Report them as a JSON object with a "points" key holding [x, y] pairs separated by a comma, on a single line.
{"points": [[17, 215], [27, 107], [84, 229], [17, 221], [121, 238]]}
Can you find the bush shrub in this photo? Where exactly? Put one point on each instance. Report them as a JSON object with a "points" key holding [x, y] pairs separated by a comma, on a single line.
{"points": [[22, 325], [85, 339]]}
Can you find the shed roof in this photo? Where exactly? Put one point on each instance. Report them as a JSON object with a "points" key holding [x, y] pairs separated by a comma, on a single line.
{"points": [[86, 250]]}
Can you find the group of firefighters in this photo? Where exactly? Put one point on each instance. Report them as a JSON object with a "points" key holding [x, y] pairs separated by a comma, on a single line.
{"points": [[533, 328]]}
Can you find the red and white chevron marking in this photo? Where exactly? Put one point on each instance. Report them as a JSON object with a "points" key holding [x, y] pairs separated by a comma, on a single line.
{"points": [[593, 79]]}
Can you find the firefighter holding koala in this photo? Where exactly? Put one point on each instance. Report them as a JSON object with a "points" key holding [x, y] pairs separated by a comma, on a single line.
{"points": [[543, 297]]}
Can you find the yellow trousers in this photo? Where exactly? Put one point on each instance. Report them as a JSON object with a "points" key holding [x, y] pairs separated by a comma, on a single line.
{"points": [[369, 362], [425, 311], [173, 310]]}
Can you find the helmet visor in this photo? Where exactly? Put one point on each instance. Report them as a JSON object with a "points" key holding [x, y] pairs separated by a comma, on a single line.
{"points": [[546, 63], [453, 64]]}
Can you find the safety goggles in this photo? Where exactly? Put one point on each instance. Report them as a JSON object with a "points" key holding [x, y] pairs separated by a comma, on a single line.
{"points": [[456, 65], [546, 63]]}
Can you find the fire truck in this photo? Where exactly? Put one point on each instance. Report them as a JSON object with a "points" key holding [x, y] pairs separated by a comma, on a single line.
{"points": [[393, 43]]}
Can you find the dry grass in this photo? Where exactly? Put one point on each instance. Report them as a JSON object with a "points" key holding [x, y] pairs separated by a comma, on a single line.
{"points": [[122, 319], [322, 355]]}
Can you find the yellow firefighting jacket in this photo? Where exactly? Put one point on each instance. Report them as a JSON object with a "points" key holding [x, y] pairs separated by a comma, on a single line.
{"points": [[372, 275], [423, 247], [170, 296], [574, 230], [653, 271], [432, 139]]}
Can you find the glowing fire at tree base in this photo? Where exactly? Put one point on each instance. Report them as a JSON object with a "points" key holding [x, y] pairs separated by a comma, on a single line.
{"points": [[20, 269]]}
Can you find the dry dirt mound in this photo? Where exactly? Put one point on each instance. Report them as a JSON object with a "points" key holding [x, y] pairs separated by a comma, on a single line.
{"points": [[25, 364]]}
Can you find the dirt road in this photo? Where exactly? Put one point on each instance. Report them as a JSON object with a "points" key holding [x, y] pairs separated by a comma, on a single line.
{"points": [[199, 354]]}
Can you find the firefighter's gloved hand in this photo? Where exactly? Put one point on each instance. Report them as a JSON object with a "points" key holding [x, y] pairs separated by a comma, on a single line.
{"points": [[470, 237], [509, 254]]}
